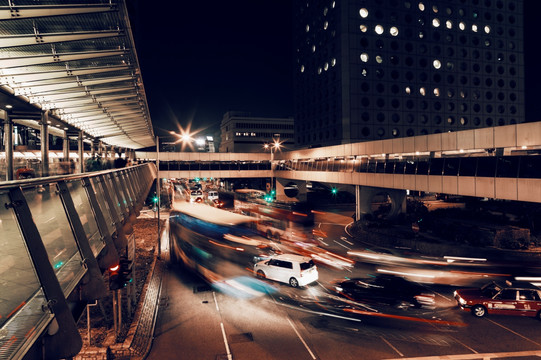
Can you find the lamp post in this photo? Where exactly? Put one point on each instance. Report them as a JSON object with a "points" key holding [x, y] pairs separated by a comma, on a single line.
{"points": [[272, 147]]}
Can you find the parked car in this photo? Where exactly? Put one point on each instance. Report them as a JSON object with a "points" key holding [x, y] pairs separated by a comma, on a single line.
{"points": [[291, 269], [517, 298], [387, 290]]}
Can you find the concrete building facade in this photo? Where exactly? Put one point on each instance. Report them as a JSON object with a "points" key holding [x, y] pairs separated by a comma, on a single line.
{"points": [[383, 69], [242, 132]]}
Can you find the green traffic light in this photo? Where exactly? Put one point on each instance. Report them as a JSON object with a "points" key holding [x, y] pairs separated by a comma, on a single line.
{"points": [[155, 199], [334, 190]]}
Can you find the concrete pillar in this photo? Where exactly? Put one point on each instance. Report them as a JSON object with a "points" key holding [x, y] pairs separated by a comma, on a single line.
{"points": [[44, 131], [66, 147], [357, 202], [8, 141], [93, 149], [80, 149]]}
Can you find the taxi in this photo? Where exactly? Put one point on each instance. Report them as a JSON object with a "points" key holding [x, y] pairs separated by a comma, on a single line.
{"points": [[517, 298]]}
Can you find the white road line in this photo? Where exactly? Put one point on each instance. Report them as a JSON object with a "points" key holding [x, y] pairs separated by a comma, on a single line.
{"points": [[466, 346], [215, 301], [343, 238], [514, 332], [229, 357], [224, 335], [339, 243], [300, 337], [486, 356], [391, 346], [445, 297]]}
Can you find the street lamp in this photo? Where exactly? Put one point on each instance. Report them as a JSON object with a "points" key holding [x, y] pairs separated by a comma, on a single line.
{"points": [[275, 145]]}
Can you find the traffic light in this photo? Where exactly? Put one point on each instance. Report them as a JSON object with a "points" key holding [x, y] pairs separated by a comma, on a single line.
{"points": [[334, 191], [125, 271], [114, 277]]}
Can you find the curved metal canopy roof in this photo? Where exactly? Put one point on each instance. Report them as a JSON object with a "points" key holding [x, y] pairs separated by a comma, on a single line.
{"points": [[78, 60]]}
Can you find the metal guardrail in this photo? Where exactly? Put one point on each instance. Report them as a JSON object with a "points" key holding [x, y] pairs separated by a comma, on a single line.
{"points": [[57, 231]]}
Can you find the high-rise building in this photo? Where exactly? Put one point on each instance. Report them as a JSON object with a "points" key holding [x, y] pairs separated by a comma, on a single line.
{"points": [[242, 132], [382, 69]]}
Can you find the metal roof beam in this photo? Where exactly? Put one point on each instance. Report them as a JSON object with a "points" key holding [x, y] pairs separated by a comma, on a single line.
{"points": [[14, 62], [55, 95], [27, 78], [31, 11], [33, 39], [37, 89]]}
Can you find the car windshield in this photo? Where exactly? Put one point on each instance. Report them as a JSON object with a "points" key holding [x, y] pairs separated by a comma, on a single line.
{"points": [[307, 265], [490, 289]]}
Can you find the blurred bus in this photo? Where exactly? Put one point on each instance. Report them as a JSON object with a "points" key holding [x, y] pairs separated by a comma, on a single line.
{"points": [[275, 219], [216, 244]]}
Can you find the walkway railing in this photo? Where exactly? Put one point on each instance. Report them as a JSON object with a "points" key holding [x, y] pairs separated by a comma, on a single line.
{"points": [[58, 235]]}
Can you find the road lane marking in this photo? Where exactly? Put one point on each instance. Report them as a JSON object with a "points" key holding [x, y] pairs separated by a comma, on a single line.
{"points": [[229, 357], [300, 337], [487, 356], [391, 346], [339, 243], [514, 332], [343, 238], [224, 335]]}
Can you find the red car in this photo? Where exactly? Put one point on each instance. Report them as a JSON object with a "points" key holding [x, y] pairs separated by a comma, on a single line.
{"points": [[506, 298]]}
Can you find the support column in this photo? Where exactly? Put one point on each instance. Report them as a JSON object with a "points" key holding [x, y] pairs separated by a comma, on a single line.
{"points": [[8, 141], [357, 202], [66, 147], [44, 131], [80, 148]]}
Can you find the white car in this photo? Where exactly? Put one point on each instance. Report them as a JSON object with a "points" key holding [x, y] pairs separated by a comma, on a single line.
{"points": [[295, 270]]}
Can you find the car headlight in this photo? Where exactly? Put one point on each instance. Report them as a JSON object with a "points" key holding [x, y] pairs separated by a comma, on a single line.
{"points": [[338, 288], [462, 301]]}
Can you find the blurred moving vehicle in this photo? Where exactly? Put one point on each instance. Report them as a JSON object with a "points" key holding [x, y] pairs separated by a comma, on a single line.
{"points": [[291, 269], [196, 196], [212, 195], [217, 203], [518, 298], [386, 290]]}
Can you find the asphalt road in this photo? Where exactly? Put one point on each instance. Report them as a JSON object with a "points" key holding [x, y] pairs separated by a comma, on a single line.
{"points": [[195, 322]]}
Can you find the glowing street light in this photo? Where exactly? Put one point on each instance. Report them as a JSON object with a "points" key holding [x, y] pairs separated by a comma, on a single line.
{"points": [[275, 145]]}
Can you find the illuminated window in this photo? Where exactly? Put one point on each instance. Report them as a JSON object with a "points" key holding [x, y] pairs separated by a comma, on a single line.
{"points": [[408, 90], [487, 29], [422, 91], [421, 6], [435, 9], [326, 66], [436, 22], [462, 25], [363, 28], [325, 25], [421, 34], [364, 72], [325, 11], [333, 62], [363, 12], [474, 27], [379, 29], [379, 59], [449, 24], [319, 70], [436, 92], [333, 4], [364, 57], [394, 31], [302, 68], [313, 48], [437, 64], [307, 28]]}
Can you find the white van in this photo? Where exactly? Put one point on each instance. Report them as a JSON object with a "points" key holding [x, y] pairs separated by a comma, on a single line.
{"points": [[295, 270], [212, 195]]}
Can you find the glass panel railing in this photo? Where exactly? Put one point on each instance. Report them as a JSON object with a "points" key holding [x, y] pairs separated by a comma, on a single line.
{"points": [[86, 215], [56, 233], [114, 196], [97, 187]]}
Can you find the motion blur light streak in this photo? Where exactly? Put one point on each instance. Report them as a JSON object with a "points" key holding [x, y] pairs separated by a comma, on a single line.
{"points": [[408, 318]]}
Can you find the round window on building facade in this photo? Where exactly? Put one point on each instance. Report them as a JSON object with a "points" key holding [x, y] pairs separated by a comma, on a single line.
{"points": [[380, 117], [437, 119], [394, 31], [365, 131], [395, 132], [463, 121], [363, 28], [410, 118], [450, 120], [381, 132], [437, 64], [379, 29], [363, 12], [395, 118], [489, 122], [476, 121]]}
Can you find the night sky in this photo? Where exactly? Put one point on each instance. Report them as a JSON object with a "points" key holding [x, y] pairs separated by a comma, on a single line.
{"points": [[200, 59]]}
